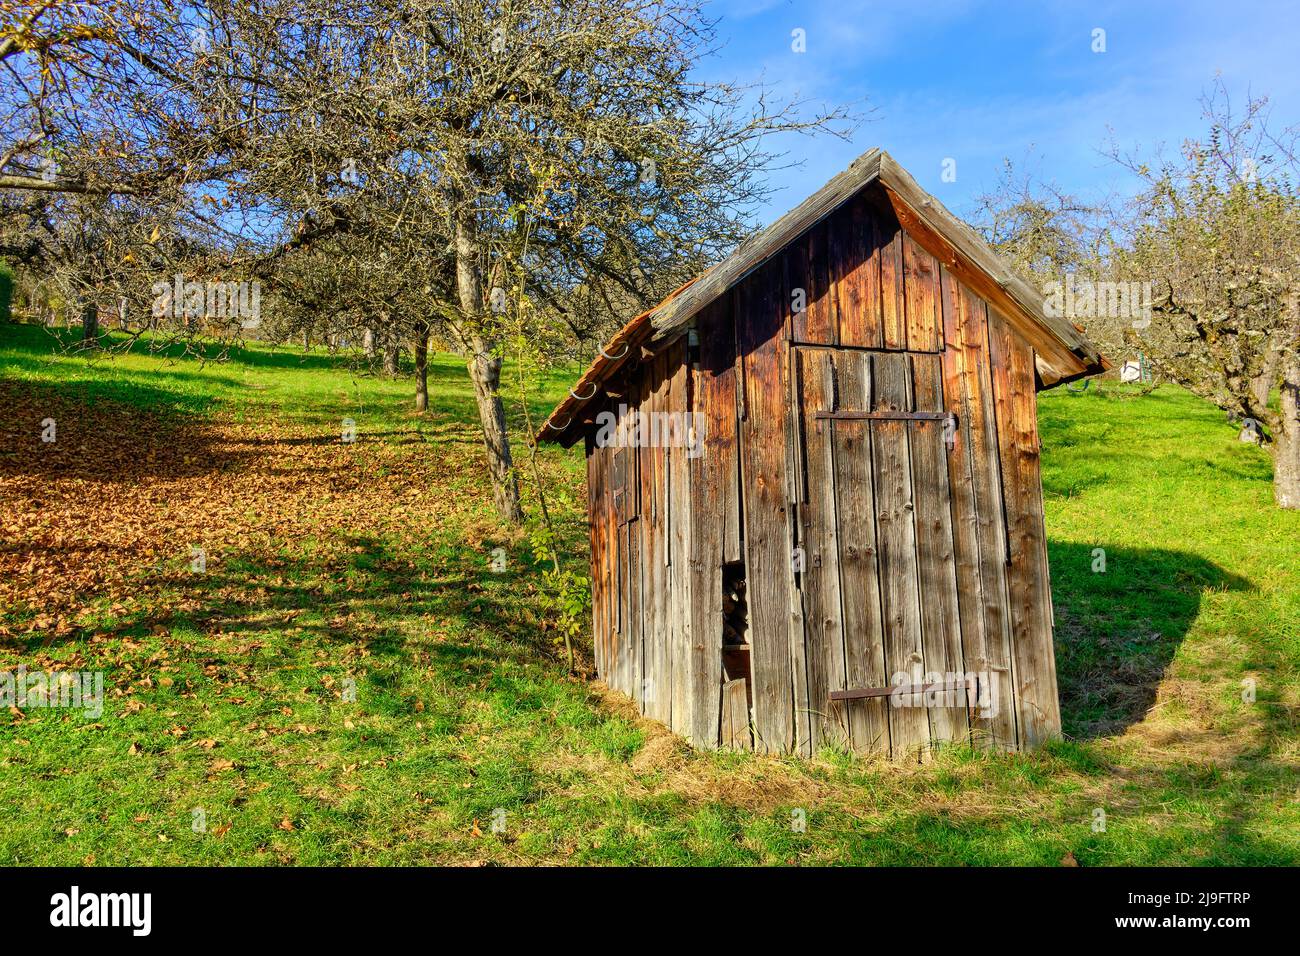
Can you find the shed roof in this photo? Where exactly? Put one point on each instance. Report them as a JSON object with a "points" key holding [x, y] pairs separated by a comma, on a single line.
{"points": [[1063, 353]]}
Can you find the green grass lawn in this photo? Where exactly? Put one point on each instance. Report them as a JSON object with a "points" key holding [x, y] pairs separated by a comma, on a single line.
{"points": [[348, 681]]}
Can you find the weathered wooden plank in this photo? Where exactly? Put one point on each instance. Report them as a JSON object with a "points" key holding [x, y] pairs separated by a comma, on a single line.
{"points": [[804, 708], [595, 529], [864, 650], [618, 660], [679, 527], [712, 490], [796, 257], [718, 404], [890, 416], [823, 625], [808, 266], [617, 481], [608, 562], [625, 489], [937, 575], [857, 276], [896, 541], [656, 688], [643, 665], [663, 585], [633, 648], [736, 732], [921, 291], [964, 517], [860, 693], [971, 316], [823, 310], [611, 562], [607, 528], [893, 308], [622, 512], [637, 503], [1037, 703], [617, 472], [760, 319], [664, 637], [715, 509]]}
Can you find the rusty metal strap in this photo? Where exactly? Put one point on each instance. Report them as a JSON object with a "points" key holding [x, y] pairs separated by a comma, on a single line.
{"points": [[948, 418], [859, 693], [886, 416]]}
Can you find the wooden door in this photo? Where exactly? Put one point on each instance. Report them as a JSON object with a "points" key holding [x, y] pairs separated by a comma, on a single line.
{"points": [[879, 557]]}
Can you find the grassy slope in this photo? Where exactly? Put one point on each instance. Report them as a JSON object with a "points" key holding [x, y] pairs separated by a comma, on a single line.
{"points": [[370, 563]]}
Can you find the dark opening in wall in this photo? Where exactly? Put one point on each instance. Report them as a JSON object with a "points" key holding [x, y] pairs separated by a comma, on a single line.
{"points": [[737, 684], [735, 623]]}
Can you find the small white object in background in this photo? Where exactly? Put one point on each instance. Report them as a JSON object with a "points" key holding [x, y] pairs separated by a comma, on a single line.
{"points": [[1130, 372], [1250, 432]]}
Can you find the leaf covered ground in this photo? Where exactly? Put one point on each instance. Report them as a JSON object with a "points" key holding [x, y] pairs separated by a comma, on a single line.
{"points": [[347, 680]]}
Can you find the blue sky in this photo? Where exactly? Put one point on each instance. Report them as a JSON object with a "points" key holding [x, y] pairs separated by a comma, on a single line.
{"points": [[977, 82]]}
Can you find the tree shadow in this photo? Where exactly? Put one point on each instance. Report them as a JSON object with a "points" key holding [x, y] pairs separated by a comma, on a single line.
{"points": [[248, 593], [1121, 614], [43, 342], [105, 432], [192, 379], [183, 395], [124, 431], [391, 436]]}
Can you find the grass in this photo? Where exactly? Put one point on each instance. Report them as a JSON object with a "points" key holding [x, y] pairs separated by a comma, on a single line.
{"points": [[348, 682]]}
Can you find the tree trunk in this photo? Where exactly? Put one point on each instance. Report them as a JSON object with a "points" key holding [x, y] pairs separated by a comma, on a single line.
{"points": [[485, 373], [89, 324], [1286, 451], [121, 313], [368, 343], [421, 373], [1260, 386], [392, 359]]}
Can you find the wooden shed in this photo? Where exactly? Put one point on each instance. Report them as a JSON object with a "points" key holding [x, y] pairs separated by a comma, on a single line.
{"points": [[815, 506]]}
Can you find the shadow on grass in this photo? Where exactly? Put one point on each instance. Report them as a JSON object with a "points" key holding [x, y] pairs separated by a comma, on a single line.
{"points": [[1119, 628], [42, 342], [392, 436], [121, 430], [361, 594], [186, 382], [189, 390], [105, 432]]}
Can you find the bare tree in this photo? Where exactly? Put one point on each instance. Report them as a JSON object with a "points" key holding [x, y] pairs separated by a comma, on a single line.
{"points": [[1213, 236], [563, 158], [1038, 228], [518, 149], [1217, 232]]}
